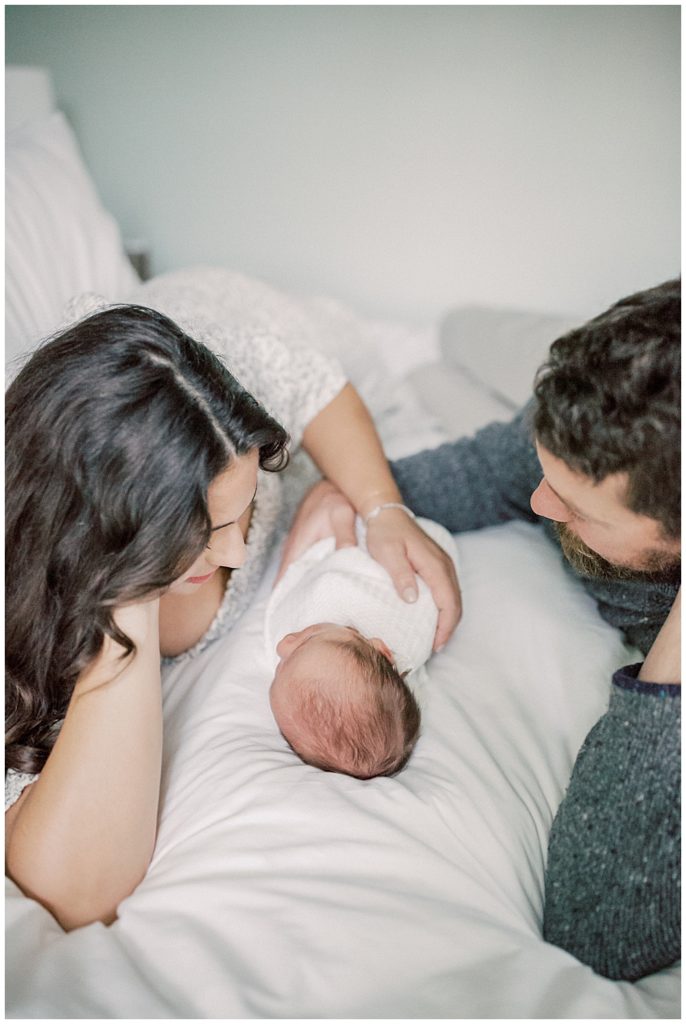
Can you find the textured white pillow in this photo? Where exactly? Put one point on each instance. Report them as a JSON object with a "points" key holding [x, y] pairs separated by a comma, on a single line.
{"points": [[501, 349], [59, 240]]}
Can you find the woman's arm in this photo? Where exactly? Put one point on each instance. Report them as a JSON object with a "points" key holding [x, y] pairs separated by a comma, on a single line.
{"points": [[81, 837], [344, 443]]}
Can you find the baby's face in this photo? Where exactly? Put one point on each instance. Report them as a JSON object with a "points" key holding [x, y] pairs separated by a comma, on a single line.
{"points": [[312, 653]]}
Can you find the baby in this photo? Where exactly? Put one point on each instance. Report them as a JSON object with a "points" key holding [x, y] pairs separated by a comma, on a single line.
{"points": [[348, 654]]}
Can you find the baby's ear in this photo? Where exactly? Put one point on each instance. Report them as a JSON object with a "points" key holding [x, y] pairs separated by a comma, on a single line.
{"points": [[379, 644]]}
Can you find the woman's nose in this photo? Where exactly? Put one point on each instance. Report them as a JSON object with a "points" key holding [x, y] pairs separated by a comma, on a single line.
{"points": [[228, 549], [545, 502]]}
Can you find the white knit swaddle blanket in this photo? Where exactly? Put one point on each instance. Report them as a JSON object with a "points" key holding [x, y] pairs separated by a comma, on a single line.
{"points": [[349, 588]]}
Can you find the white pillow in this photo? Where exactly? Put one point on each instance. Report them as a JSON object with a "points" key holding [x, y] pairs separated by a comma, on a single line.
{"points": [[501, 349], [59, 240]]}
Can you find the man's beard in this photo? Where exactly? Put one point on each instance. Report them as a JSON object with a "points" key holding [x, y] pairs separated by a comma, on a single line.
{"points": [[660, 566]]}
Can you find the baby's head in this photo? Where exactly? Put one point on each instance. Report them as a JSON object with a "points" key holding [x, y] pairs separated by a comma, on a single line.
{"points": [[340, 702]]}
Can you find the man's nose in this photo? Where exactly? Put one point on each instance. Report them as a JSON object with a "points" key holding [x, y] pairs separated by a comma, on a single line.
{"points": [[546, 503]]}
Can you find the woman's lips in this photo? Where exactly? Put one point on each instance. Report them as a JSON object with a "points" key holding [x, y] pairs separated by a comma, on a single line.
{"points": [[200, 579]]}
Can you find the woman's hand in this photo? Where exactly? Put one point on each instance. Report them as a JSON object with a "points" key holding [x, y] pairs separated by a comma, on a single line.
{"points": [[140, 621], [399, 544], [343, 442], [324, 512], [393, 539]]}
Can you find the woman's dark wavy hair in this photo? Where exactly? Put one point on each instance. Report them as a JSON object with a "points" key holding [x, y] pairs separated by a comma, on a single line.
{"points": [[609, 400], [115, 429]]}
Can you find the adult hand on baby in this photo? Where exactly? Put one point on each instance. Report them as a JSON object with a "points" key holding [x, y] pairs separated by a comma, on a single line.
{"points": [[325, 512], [393, 539], [401, 546]]}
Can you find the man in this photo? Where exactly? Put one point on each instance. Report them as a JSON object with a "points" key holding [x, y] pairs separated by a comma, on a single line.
{"points": [[594, 457], [604, 432]]}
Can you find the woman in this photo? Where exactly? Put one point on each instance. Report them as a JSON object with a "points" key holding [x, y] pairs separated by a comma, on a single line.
{"points": [[134, 463]]}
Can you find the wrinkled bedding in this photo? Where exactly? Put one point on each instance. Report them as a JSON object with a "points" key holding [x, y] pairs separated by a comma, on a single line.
{"points": [[279, 891]]}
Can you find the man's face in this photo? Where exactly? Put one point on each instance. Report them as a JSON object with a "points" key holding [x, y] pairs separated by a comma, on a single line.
{"points": [[600, 536]]}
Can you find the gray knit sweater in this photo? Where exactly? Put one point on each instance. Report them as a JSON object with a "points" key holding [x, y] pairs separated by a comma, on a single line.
{"points": [[612, 887], [612, 879]]}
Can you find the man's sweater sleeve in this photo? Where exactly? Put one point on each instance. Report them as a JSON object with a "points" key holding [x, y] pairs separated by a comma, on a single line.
{"points": [[476, 481], [612, 888]]}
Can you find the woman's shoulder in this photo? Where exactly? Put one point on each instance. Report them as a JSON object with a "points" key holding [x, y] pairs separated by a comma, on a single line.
{"points": [[227, 299], [192, 287], [229, 314], [197, 299]]}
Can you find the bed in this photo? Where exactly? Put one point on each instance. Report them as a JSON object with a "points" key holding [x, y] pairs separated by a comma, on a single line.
{"points": [[277, 890]]}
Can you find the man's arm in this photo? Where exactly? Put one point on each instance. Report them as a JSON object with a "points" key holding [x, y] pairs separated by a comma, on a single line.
{"points": [[612, 891], [476, 481], [612, 894]]}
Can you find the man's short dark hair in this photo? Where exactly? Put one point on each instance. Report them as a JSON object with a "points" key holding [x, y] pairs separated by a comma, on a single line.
{"points": [[609, 400]]}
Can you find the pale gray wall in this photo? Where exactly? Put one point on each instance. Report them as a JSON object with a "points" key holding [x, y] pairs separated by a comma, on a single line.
{"points": [[400, 158]]}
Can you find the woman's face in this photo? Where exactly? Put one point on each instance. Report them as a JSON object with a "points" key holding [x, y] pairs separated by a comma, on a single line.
{"points": [[229, 500]]}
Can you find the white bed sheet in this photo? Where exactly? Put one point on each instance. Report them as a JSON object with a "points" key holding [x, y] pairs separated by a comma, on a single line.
{"points": [[278, 891]]}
